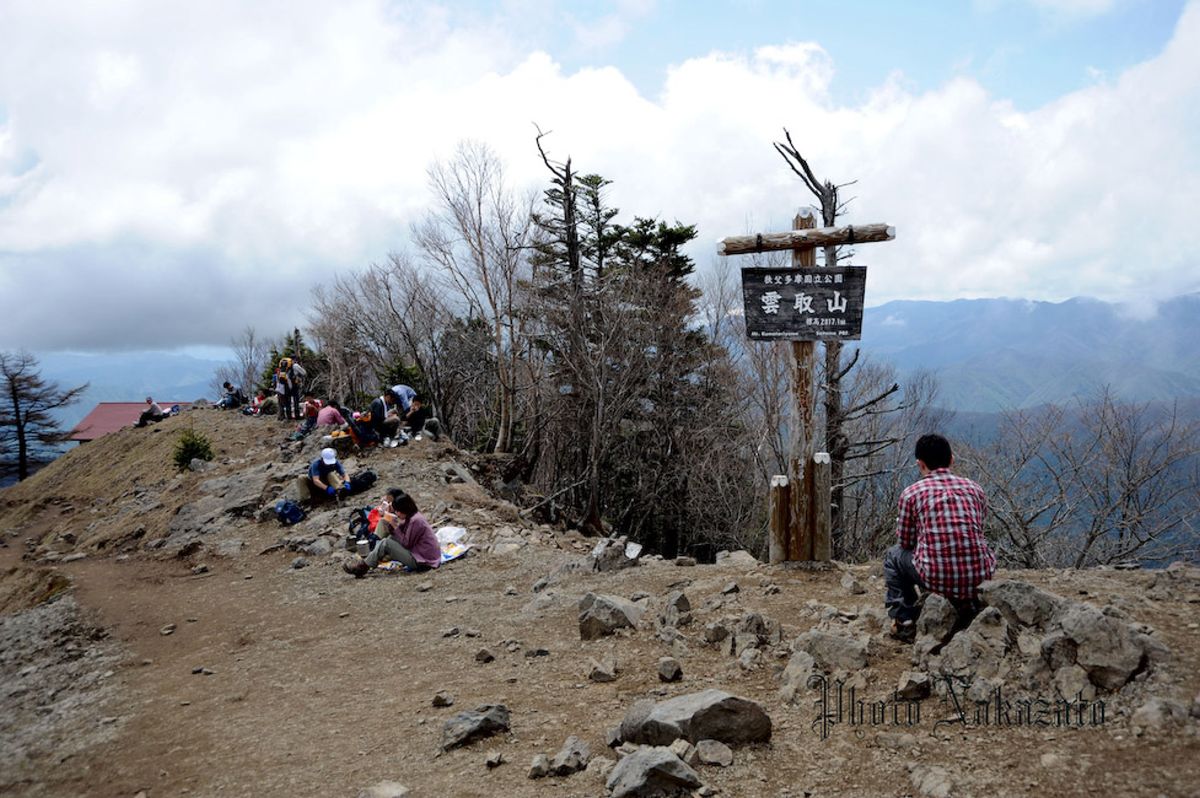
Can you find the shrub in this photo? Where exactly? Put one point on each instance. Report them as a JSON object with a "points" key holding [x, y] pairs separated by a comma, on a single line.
{"points": [[191, 445]]}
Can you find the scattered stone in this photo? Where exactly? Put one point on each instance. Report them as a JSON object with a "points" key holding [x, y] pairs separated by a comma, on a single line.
{"points": [[710, 714], [451, 632], [299, 562], [571, 758], [678, 609], [796, 675], [603, 671], [169, 629], [472, 633], [716, 632], [937, 620], [600, 766], [199, 569], [467, 727], [601, 615], [443, 699], [640, 595], [320, 547], [539, 767], [750, 659], [713, 752], [494, 759], [344, 614], [852, 585], [1160, 713], [483, 655], [834, 650], [740, 558], [1021, 604], [685, 751], [730, 589], [685, 562], [1104, 646], [510, 591], [613, 554], [897, 741], [1071, 683], [424, 587], [1051, 760], [537, 652], [931, 782], [772, 590], [385, 789], [669, 670], [913, 686], [650, 771]]}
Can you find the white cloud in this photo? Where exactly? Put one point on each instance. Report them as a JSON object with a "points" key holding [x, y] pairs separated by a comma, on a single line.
{"points": [[200, 167]]}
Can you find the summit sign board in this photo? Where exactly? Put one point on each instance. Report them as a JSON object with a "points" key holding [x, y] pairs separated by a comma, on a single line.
{"points": [[805, 304]]}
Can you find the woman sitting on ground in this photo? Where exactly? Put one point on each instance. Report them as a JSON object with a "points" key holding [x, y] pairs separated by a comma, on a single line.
{"points": [[404, 536]]}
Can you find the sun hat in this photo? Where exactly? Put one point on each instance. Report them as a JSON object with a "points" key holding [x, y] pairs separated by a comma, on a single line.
{"points": [[329, 456]]}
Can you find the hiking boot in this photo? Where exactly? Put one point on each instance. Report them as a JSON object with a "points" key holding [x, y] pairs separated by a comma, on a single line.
{"points": [[356, 568], [387, 443], [904, 631]]}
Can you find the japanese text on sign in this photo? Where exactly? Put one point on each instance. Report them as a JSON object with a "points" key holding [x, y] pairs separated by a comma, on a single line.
{"points": [[804, 304]]}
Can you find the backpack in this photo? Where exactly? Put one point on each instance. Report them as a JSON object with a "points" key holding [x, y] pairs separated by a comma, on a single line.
{"points": [[362, 481], [298, 372], [289, 512], [361, 527]]}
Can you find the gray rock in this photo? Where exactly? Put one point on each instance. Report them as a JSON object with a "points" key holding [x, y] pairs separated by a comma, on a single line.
{"points": [[199, 465], [600, 766], [730, 589], [1058, 650], [914, 686], [610, 555], [937, 619], [714, 752], [834, 650], [299, 562], [603, 671], [1160, 713], [678, 609], [493, 760], [467, 727], [1105, 647], [385, 789], [931, 782], [1021, 604], [443, 699], [319, 547], [601, 615], [710, 714], [685, 562], [979, 650], [751, 659], [1071, 682], [796, 675], [740, 558], [650, 772], [716, 632], [669, 669], [685, 751], [540, 766], [571, 758], [483, 655], [852, 585], [635, 716]]}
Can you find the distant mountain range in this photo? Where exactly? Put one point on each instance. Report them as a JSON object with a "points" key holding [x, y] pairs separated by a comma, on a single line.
{"points": [[996, 354]]}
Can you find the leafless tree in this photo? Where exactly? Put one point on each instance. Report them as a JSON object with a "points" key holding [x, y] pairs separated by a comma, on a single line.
{"points": [[28, 427]]}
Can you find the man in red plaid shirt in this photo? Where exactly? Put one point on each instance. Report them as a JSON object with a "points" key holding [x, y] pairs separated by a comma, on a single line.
{"points": [[941, 547]]}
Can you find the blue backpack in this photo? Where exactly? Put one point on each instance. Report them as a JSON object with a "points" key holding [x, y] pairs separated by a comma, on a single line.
{"points": [[289, 512]]}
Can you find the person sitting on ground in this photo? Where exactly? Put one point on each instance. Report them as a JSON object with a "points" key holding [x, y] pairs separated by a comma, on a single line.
{"points": [[326, 477], [420, 419], [385, 417], [330, 416], [153, 413], [312, 409], [404, 536], [233, 398], [256, 404], [941, 547]]}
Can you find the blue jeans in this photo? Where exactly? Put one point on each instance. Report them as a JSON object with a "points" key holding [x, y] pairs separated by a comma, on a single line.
{"points": [[901, 580]]}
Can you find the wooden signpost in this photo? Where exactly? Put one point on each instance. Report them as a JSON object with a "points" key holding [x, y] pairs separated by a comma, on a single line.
{"points": [[803, 305]]}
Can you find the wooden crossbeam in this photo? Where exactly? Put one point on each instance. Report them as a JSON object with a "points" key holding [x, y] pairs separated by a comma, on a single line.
{"points": [[806, 239]]}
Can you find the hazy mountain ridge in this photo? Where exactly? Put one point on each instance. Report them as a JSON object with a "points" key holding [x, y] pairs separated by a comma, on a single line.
{"points": [[995, 354]]}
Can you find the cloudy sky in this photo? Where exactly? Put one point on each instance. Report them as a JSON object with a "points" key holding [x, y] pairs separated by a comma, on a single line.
{"points": [[171, 171]]}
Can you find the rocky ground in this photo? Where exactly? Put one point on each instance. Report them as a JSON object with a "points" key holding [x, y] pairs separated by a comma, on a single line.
{"points": [[161, 635]]}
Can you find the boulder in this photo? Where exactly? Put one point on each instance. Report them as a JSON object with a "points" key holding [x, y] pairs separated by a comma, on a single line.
{"points": [[1104, 646], [613, 554], [707, 715], [740, 558], [852, 585], [539, 767], [601, 615], [979, 650], [649, 772], [467, 727], [937, 619], [796, 675], [678, 609], [1071, 683], [913, 686], [604, 670], [571, 758], [1021, 604], [1058, 650], [834, 650]]}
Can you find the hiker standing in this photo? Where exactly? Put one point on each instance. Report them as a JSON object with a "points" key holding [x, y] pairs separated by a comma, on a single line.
{"points": [[404, 536], [941, 547], [296, 376], [284, 409], [404, 395]]}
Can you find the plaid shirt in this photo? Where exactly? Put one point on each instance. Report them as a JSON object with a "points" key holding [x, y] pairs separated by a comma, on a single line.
{"points": [[941, 515]]}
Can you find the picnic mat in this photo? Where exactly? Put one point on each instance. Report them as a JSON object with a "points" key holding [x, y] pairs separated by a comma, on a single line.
{"points": [[452, 541]]}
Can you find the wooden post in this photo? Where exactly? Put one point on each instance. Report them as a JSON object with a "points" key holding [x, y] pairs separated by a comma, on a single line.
{"points": [[822, 550], [780, 510], [804, 439]]}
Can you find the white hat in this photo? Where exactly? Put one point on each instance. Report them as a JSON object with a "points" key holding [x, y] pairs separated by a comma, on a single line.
{"points": [[329, 456]]}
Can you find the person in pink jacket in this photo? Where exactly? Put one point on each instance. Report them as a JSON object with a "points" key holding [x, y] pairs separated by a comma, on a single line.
{"points": [[404, 536]]}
